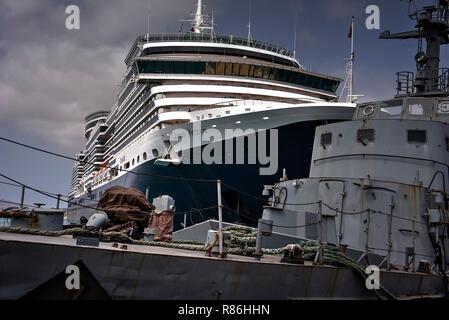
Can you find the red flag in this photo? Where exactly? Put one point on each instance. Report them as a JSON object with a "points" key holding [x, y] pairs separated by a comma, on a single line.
{"points": [[350, 29]]}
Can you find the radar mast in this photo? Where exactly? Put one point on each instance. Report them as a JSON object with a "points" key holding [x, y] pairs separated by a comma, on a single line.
{"points": [[432, 25]]}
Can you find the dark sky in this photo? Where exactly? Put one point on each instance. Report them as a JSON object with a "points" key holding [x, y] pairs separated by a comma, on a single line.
{"points": [[51, 78]]}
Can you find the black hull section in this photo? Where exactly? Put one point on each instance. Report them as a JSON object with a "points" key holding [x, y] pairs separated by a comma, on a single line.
{"points": [[295, 152]]}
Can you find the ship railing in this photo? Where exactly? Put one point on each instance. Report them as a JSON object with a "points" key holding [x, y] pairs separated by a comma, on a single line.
{"points": [[439, 81], [405, 83], [242, 103], [194, 37], [228, 103], [434, 14], [440, 15], [443, 79]]}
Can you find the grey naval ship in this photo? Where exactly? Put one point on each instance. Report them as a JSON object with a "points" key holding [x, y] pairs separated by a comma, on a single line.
{"points": [[370, 221], [198, 81]]}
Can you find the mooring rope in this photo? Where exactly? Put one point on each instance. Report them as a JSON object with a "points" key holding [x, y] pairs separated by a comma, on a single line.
{"points": [[242, 243]]}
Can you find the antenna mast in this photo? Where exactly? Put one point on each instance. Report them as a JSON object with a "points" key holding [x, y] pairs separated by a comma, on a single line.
{"points": [[201, 22], [198, 20], [294, 36], [148, 22], [432, 25], [250, 40], [349, 82]]}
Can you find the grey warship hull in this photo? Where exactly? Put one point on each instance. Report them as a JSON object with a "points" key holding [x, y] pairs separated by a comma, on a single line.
{"points": [[143, 272]]}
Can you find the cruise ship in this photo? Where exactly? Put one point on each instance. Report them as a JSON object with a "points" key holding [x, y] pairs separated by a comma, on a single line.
{"points": [[199, 81]]}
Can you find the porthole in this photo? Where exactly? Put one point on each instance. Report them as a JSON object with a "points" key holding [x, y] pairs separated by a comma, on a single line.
{"points": [[443, 107], [368, 110]]}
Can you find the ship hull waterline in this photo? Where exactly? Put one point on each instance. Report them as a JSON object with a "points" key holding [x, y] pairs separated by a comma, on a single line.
{"points": [[295, 144]]}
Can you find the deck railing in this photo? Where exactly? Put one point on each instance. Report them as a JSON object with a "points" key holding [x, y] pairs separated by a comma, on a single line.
{"points": [[207, 38]]}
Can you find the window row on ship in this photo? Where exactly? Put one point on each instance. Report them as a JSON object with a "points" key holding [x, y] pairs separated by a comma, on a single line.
{"points": [[135, 121], [97, 138], [140, 95], [141, 124], [132, 103], [285, 75], [145, 124]]}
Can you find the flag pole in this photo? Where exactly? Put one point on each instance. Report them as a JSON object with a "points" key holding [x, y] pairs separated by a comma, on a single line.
{"points": [[352, 61]]}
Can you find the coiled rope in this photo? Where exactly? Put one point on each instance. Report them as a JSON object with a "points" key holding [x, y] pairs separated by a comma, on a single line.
{"points": [[242, 243]]}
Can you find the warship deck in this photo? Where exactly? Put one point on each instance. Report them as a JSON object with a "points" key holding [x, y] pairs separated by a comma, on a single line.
{"points": [[147, 272]]}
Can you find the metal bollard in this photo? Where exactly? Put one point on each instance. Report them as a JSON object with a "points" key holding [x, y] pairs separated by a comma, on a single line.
{"points": [[264, 229]]}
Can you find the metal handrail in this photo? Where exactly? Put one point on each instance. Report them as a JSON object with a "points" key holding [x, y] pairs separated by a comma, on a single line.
{"points": [[443, 79], [194, 37], [405, 82]]}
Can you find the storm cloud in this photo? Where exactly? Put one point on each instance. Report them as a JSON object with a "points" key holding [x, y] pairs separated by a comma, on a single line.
{"points": [[51, 78]]}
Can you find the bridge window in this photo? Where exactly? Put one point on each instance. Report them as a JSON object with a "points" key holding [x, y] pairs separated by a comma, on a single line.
{"points": [[391, 111], [228, 70], [144, 156], [221, 68], [210, 68], [416, 136], [244, 69], [238, 69], [258, 72], [266, 72], [251, 71], [391, 108], [416, 109], [273, 74], [189, 68], [168, 67], [178, 67], [235, 69], [158, 67]]}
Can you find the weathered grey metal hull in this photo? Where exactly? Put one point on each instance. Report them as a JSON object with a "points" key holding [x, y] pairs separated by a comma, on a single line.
{"points": [[142, 272]]}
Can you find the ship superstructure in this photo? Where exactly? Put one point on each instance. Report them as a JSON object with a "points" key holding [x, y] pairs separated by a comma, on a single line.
{"points": [[369, 223], [222, 82], [379, 183]]}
